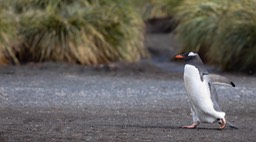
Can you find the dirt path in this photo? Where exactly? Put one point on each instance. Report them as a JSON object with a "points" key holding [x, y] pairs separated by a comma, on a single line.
{"points": [[49, 104], [140, 102]]}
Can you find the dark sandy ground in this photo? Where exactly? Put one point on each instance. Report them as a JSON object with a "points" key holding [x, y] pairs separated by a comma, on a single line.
{"points": [[139, 102]]}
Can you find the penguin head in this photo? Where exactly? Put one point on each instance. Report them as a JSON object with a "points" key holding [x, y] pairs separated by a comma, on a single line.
{"points": [[188, 57]]}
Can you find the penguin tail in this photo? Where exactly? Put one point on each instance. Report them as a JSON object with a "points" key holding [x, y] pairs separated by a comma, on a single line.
{"points": [[232, 126]]}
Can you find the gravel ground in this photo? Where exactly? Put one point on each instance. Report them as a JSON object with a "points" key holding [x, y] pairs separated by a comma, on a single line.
{"points": [[54, 102], [134, 102]]}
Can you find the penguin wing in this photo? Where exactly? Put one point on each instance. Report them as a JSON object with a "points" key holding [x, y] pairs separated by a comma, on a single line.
{"points": [[217, 79], [214, 97], [202, 71]]}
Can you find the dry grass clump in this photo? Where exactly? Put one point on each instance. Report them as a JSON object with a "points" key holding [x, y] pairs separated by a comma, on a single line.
{"points": [[156, 8], [83, 31], [224, 31], [8, 35]]}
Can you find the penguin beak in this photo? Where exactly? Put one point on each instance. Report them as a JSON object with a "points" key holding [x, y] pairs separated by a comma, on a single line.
{"points": [[179, 57]]}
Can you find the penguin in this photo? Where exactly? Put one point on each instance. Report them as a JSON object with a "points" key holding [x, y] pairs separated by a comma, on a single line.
{"points": [[201, 93]]}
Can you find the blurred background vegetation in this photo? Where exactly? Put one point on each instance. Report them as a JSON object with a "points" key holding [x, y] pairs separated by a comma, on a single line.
{"points": [[87, 32], [93, 32], [222, 31]]}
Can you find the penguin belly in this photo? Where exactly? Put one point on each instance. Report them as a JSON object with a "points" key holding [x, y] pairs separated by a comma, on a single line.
{"points": [[198, 92]]}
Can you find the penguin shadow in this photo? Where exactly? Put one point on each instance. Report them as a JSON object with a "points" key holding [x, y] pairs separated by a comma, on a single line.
{"points": [[213, 128], [149, 126], [168, 128]]}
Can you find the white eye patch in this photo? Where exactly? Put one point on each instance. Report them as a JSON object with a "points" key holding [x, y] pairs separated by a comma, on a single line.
{"points": [[192, 54]]}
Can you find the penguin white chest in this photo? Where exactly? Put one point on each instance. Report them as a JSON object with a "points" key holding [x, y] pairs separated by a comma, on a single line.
{"points": [[197, 89]]}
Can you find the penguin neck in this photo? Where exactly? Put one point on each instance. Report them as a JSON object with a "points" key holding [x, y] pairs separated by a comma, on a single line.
{"points": [[195, 60]]}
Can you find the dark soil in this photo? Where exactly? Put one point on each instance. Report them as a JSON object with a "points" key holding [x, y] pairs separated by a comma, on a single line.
{"points": [[130, 102]]}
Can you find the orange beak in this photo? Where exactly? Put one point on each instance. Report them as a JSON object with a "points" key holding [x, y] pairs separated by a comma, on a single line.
{"points": [[179, 57]]}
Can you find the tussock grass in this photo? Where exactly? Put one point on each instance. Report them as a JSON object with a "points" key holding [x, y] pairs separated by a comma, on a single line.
{"points": [[83, 31], [236, 46], [8, 35], [223, 31], [156, 8]]}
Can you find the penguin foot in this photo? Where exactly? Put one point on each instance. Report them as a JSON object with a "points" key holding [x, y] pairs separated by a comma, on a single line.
{"points": [[192, 126], [223, 123]]}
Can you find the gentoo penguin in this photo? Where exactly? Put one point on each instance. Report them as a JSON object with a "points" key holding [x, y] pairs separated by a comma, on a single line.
{"points": [[201, 92]]}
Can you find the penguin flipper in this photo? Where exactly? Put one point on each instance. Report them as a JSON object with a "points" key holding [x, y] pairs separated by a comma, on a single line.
{"points": [[217, 79]]}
